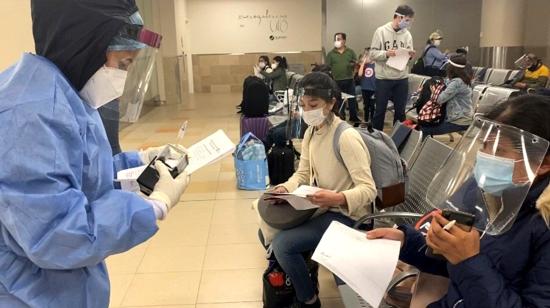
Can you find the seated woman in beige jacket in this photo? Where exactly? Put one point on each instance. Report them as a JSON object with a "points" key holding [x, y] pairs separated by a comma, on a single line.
{"points": [[349, 190]]}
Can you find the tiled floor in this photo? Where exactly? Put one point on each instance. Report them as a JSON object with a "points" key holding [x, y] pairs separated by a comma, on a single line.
{"points": [[206, 253]]}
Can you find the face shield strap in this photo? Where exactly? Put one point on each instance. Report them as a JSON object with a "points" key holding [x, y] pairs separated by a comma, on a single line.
{"points": [[142, 35], [327, 94]]}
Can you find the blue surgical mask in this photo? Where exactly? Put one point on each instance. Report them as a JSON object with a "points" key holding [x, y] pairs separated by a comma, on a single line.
{"points": [[493, 174], [404, 24]]}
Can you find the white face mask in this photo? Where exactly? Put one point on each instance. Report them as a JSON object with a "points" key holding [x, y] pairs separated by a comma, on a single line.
{"points": [[338, 44], [274, 65], [314, 117], [262, 65], [106, 85], [437, 42]]}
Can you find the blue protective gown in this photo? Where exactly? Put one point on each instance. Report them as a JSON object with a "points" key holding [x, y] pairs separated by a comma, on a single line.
{"points": [[60, 216]]}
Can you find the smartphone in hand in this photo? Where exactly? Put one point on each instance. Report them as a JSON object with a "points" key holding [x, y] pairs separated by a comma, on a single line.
{"points": [[465, 221]]}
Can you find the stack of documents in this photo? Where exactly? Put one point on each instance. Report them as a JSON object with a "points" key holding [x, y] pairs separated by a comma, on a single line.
{"points": [[298, 198], [365, 265]]}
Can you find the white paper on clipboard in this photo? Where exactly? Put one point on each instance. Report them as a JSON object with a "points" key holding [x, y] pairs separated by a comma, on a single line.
{"points": [[401, 59]]}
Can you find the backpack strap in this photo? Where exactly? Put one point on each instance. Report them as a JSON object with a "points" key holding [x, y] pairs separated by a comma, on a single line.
{"points": [[336, 141]]}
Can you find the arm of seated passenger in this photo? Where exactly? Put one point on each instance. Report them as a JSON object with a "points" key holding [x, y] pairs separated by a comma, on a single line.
{"points": [[482, 285], [302, 175], [450, 91], [413, 253], [436, 53], [357, 161]]}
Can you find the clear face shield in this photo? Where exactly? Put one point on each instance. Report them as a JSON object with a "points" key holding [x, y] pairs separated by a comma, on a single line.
{"points": [[489, 174], [314, 99], [136, 58], [524, 62]]}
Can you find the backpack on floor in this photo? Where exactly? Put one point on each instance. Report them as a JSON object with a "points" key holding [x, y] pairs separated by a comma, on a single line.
{"points": [[387, 167], [278, 290], [255, 102], [280, 161]]}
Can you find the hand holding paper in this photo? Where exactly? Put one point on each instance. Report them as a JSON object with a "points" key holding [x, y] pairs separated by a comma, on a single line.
{"points": [[400, 60], [367, 266], [298, 199]]}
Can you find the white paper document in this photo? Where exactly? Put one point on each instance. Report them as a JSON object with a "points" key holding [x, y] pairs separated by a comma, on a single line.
{"points": [[209, 150], [366, 266], [128, 178], [401, 59], [298, 198]]}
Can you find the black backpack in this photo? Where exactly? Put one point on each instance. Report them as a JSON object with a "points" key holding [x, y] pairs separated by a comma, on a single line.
{"points": [[280, 161], [419, 67], [255, 101], [278, 290], [425, 93]]}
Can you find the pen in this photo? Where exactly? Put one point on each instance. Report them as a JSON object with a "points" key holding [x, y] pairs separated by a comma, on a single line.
{"points": [[449, 225]]}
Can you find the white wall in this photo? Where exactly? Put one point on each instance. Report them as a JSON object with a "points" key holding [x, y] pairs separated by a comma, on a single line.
{"points": [[537, 28], [16, 38], [243, 26]]}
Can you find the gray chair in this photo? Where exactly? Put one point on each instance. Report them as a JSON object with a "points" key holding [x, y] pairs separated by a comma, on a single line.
{"points": [[492, 97], [477, 69], [498, 76], [415, 82], [421, 173], [477, 94], [294, 80], [432, 155], [411, 147], [487, 76]]}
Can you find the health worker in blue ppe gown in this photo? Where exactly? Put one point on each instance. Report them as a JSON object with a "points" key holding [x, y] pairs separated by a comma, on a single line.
{"points": [[60, 216]]}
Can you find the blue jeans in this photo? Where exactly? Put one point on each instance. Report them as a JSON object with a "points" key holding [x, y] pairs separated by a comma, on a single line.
{"points": [[288, 246], [442, 129], [348, 86], [369, 103], [397, 91]]}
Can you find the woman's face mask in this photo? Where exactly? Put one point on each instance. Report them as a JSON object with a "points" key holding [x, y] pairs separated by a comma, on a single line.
{"points": [[494, 174], [106, 85], [437, 42], [262, 64], [314, 117], [315, 110], [274, 65]]}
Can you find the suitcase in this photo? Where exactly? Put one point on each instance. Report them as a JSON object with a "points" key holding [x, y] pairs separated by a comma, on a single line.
{"points": [[280, 161], [257, 126]]}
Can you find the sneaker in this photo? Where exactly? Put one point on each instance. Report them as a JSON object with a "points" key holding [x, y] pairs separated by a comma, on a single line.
{"points": [[298, 304]]}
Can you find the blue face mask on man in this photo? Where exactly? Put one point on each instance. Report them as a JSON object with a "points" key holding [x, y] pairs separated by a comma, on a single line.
{"points": [[494, 174], [404, 24]]}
